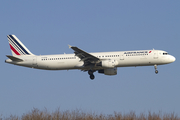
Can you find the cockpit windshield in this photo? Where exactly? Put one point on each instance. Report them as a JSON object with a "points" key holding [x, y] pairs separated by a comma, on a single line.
{"points": [[165, 53]]}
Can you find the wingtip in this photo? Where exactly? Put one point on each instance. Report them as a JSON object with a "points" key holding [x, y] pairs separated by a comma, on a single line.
{"points": [[69, 46]]}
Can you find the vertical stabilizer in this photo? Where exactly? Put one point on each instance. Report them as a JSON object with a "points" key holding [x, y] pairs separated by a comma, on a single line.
{"points": [[17, 47]]}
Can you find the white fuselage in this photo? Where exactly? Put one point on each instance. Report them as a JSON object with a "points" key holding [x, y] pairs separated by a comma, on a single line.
{"points": [[104, 62], [70, 61]]}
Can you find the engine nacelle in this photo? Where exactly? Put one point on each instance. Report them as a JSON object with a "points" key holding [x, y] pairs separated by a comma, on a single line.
{"points": [[109, 63], [110, 71]]}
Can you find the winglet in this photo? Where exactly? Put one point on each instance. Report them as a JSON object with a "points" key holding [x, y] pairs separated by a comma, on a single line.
{"points": [[69, 46]]}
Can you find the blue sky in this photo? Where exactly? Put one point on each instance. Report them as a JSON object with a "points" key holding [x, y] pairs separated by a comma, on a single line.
{"points": [[47, 27]]}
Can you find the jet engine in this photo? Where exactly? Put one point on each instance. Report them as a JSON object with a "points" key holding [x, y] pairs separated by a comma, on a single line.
{"points": [[110, 71]]}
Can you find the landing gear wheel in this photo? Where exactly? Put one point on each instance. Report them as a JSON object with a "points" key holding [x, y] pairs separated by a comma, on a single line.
{"points": [[156, 71], [92, 77]]}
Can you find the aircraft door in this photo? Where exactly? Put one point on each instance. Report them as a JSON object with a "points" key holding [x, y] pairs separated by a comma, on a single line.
{"points": [[34, 62], [121, 56], [155, 54]]}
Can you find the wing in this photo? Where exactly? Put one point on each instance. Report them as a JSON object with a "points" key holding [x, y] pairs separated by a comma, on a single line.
{"points": [[84, 56]]}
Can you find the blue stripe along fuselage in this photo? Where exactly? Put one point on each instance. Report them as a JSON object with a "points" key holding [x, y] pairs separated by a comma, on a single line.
{"points": [[18, 44]]}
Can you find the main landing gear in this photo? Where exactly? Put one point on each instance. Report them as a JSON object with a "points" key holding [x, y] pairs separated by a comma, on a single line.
{"points": [[90, 72], [155, 67]]}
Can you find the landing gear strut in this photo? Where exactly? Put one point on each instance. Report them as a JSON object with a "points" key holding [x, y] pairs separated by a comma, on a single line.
{"points": [[90, 72], [155, 67]]}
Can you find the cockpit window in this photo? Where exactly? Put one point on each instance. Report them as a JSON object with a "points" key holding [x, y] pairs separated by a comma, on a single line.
{"points": [[165, 53]]}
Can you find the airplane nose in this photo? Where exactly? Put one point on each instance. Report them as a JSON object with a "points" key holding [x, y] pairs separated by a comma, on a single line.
{"points": [[172, 58]]}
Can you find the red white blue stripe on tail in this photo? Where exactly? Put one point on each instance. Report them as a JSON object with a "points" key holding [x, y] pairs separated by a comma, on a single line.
{"points": [[17, 47]]}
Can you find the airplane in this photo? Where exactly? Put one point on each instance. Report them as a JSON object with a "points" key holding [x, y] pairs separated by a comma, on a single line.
{"points": [[103, 62]]}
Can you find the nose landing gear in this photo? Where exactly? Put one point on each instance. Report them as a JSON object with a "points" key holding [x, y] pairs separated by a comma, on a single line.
{"points": [[90, 72], [155, 67]]}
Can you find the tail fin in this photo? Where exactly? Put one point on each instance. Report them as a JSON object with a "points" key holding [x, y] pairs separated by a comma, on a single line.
{"points": [[17, 47]]}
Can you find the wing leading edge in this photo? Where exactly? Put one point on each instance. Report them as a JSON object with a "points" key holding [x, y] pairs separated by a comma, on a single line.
{"points": [[84, 56]]}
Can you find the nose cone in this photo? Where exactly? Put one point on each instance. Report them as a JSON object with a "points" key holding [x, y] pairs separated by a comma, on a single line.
{"points": [[172, 58]]}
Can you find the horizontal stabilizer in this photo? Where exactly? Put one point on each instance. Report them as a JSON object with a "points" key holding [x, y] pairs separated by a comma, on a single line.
{"points": [[15, 59]]}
